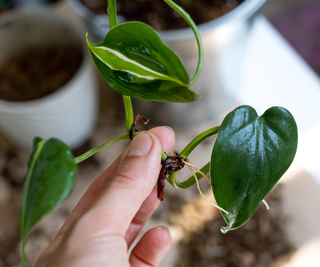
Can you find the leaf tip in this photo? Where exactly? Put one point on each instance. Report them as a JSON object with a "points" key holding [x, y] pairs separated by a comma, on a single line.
{"points": [[88, 41], [224, 229]]}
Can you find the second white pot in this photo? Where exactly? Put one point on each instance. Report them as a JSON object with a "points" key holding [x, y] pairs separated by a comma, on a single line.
{"points": [[69, 113]]}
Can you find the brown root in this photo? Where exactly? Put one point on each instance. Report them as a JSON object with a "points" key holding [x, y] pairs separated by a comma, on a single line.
{"points": [[170, 164], [139, 119]]}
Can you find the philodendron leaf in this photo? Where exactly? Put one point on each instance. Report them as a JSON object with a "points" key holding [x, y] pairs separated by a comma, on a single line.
{"points": [[49, 180], [135, 62], [250, 155]]}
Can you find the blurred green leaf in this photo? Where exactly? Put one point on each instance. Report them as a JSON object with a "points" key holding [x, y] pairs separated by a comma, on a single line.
{"points": [[135, 62], [250, 155], [49, 180]]}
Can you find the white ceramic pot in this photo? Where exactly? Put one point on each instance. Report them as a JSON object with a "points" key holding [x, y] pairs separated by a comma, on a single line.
{"points": [[69, 113]]}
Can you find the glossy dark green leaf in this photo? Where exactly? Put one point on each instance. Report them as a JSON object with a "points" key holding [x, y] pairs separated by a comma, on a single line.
{"points": [[250, 155], [49, 180], [135, 62]]}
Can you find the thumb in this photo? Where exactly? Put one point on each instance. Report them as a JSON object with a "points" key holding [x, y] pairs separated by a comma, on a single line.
{"points": [[129, 186]]}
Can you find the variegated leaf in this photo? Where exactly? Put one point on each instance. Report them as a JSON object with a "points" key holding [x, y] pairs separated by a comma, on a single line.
{"points": [[135, 62]]}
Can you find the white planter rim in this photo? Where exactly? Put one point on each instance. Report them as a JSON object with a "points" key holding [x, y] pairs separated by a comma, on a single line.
{"points": [[242, 12]]}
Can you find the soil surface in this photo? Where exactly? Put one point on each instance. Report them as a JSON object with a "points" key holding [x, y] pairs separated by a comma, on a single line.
{"points": [[258, 243], [161, 16], [36, 73]]}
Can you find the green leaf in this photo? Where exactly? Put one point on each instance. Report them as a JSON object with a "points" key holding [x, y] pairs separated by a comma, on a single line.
{"points": [[135, 62], [49, 180], [250, 155]]}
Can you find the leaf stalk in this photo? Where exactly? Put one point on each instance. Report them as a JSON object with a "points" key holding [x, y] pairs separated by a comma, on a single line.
{"points": [[91, 152], [193, 26], [196, 141], [112, 11]]}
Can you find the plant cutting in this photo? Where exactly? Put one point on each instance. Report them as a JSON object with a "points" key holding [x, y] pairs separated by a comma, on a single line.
{"points": [[249, 156]]}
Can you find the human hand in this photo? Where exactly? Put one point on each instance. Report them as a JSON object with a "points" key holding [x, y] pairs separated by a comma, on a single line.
{"points": [[113, 211]]}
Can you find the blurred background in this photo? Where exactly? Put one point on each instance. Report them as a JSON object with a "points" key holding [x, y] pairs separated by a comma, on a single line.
{"points": [[255, 51]]}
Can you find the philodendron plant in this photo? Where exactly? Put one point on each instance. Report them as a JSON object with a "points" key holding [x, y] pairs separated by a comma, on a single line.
{"points": [[249, 156]]}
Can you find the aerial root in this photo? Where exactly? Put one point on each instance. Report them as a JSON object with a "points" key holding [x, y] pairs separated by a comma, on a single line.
{"points": [[188, 163], [266, 204], [191, 168]]}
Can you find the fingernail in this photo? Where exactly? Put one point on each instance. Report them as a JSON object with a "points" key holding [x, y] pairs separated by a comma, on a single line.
{"points": [[167, 230], [140, 145], [164, 227], [171, 130]]}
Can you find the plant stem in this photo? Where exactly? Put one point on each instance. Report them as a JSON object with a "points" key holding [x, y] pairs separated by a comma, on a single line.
{"points": [[98, 148], [172, 178], [23, 256], [196, 141], [163, 155], [193, 26], [112, 11], [129, 112]]}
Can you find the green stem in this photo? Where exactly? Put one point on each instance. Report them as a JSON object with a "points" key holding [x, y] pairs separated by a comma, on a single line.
{"points": [[23, 256], [172, 178], [98, 148], [193, 26], [163, 155], [112, 11], [129, 112], [196, 141]]}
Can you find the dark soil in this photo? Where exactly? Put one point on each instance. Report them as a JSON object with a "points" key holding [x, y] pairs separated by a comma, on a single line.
{"points": [[259, 243], [36, 73], [160, 16]]}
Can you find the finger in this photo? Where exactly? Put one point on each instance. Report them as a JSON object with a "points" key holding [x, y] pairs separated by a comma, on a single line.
{"points": [[142, 216], [165, 135], [91, 195], [151, 249], [112, 213], [167, 143], [85, 202]]}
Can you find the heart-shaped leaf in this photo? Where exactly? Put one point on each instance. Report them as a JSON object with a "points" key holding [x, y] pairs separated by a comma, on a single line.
{"points": [[250, 155], [135, 62], [49, 180]]}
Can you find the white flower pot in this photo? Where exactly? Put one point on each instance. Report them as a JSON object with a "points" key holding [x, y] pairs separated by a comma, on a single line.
{"points": [[69, 113]]}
